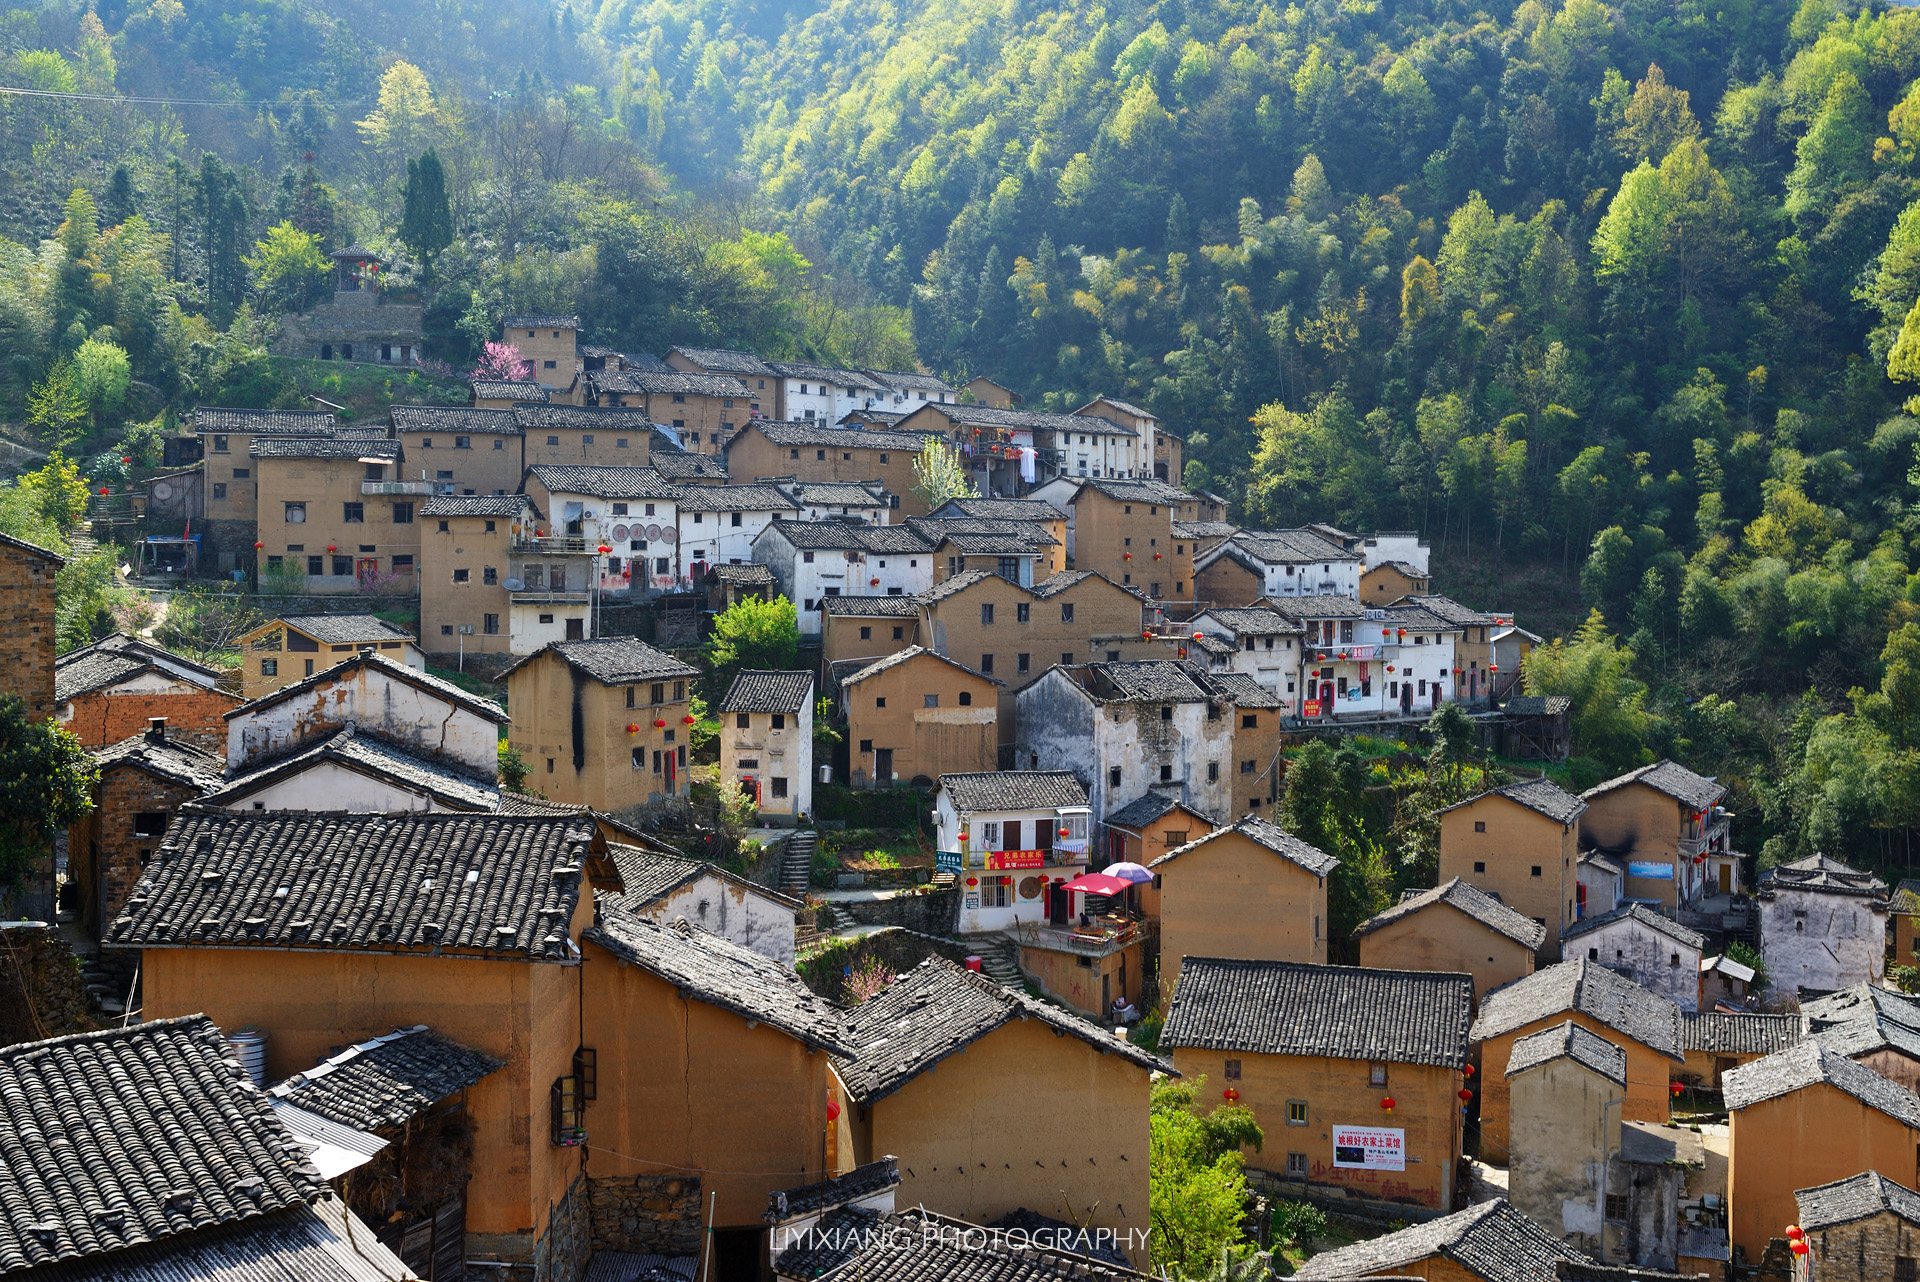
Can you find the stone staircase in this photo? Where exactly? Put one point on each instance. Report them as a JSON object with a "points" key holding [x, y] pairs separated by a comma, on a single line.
{"points": [[1000, 962], [796, 864]]}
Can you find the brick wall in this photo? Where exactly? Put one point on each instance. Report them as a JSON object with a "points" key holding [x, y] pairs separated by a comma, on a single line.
{"points": [[198, 719], [26, 628], [104, 849]]}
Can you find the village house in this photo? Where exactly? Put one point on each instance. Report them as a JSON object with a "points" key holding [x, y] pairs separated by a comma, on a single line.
{"points": [[729, 585], [806, 392], [1390, 581], [855, 630], [677, 467], [1823, 925], [504, 394], [704, 410], [814, 560], [1169, 456], [1018, 551], [338, 515], [1011, 451], [1141, 421], [1001, 831], [1029, 510], [1601, 883], [1647, 1026], [602, 722], [474, 451], [718, 523], [1804, 1116], [1124, 529], [1257, 768], [1353, 1074], [1518, 843], [115, 687], [1474, 649], [1666, 824], [664, 888], [293, 647], [1250, 890], [551, 344], [1455, 928], [1255, 564], [144, 780], [1151, 826], [902, 390], [819, 500], [1267, 646], [1369, 664], [821, 452], [584, 436], [766, 742], [1717, 1042], [1204, 535], [984, 391], [914, 716], [632, 512], [466, 562], [1655, 952], [1870, 1025], [204, 1180], [1536, 727], [224, 439], [1865, 1228], [27, 630], [356, 769], [1725, 982], [940, 1049], [761, 381], [1488, 1242]]}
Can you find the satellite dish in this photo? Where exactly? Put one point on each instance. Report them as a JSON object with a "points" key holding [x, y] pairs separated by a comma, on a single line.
{"points": [[619, 534], [668, 533], [515, 585]]}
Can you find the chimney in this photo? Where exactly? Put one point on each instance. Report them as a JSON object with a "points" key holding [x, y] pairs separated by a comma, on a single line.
{"points": [[156, 729]]}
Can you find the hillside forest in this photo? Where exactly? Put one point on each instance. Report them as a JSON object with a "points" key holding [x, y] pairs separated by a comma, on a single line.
{"points": [[1615, 304]]}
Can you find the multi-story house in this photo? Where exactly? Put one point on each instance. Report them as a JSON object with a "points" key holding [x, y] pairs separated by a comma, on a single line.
{"points": [[1473, 652], [551, 344], [1144, 424], [763, 385], [817, 393], [1255, 564], [718, 523], [1020, 835], [1667, 825], [1018, 551], [1266, 646], [583, 436], [602, 722], [224, 439], [473, 451], [630, 511], [678, 467], [504, 394], [144, 779], [1453, 927], [914, 716], [337, 515], [295, 646], [902, 392], [1034, 511], [114, 688], [1655, 952], [702, 409], [1823, 925], [1519, 844], [471, 548], [981, 390], [855, 630], [814, 560], [1247, 890], [822, 452], [1169, 456], [820, 500], [766, 742], [1011, 451], [1124, 530]]}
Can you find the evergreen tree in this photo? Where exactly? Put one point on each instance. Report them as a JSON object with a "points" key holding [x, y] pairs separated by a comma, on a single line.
{"points": [[426, 227]]}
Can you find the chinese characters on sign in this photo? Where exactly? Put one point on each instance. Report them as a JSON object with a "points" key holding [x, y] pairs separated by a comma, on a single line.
{"points": [[1369, 1148], [1016, 859], [947, 861], [1651, 871]]}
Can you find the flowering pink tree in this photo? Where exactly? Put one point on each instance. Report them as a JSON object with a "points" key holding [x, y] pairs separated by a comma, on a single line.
{"points": [[501, 362]]}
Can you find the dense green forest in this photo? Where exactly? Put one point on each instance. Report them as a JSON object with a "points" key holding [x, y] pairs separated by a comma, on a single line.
{"points": [[1611, 303]]}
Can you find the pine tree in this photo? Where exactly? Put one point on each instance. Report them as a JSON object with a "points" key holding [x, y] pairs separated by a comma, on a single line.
{"points": [[426, 227]]}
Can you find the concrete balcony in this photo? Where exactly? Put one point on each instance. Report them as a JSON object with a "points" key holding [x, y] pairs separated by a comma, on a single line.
{"points": [[1101, 939], [402, 488], [540, 596], [553, 545]]}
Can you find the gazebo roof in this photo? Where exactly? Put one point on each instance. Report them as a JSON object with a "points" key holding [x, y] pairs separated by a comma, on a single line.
{"points": [[357, 253]]}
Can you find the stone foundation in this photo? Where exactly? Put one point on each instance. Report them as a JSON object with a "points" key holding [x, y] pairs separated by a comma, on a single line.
{"points": [[562, 1252], [650, 1214], [354, 325], [42, 992]]}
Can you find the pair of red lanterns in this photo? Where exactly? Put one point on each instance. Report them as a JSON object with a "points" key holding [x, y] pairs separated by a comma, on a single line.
{"points": [[1797, 1240]]}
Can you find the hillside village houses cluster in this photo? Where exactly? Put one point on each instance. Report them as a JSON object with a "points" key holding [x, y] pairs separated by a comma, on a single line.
{"points": [[390, 1017]]}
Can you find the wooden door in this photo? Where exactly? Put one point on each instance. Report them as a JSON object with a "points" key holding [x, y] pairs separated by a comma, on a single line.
{"points": [[1726, 879], [883, 767]]}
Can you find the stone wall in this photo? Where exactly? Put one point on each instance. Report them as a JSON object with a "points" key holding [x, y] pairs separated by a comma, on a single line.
{"points": [[649, 1214], [896, 949], [42, 993], [362, 318], [932, 912], [26, 628], [105, 852], [562, 1252]]}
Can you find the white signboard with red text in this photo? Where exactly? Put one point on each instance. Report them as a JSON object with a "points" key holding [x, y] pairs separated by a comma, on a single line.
{"points": [[1369, 1148]]}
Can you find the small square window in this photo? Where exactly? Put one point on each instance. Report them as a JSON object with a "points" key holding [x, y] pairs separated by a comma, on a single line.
{"points": [[269, 667], [1376, 1074], [1536, 870], [1249, 721], [1297, 1164], [866, 634], [866, 745], [1479, 865], [1113, 776], [779, 721], [932, 700], [1479, 825], [462, 576], [779, 785], [1296, 1112], [1231, 1070], [900, 634], [1166, 774], [742, 720], [966, 698], [1616, 1208]]}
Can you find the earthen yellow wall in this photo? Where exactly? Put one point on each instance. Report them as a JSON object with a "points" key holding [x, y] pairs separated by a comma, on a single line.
{"points": [[326, 486], [1255, 793], [1649, 1076], [27, 628], [840, 637], [685, 1084], [1905, 951], [1235, 898], [948, 739], [596, 446], [1061, 977], [1383, 585], [1102, 528], [1340, 1092], [242, 501], [1811, 1136], [292, 664], [987, 1131], [1441, 937], [752, 455], [1226, 582], [539, 346], [480, 467], [1516, 839], [542, 695], [1644, 822], [466, 545]]}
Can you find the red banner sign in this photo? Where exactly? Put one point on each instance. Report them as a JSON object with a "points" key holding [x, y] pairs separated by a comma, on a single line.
{"points": [[1311, 708], [1016, 859]]}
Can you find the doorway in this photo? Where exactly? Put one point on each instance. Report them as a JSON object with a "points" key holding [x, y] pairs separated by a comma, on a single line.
{"points": [[1726, 879], [883, 767]]}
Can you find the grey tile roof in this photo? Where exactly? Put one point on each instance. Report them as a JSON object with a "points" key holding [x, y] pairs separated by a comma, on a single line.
{"points": [[1143, 681], [989, 790], [1468, 899], [1867, 1034], [647, 876], [733, 498], [1862, 1001], [454, 419], [1492, 1241], [1645, 916], [764, 690], [852, 1244], [605, 482], [1536, 705], [208, 419], [33, 548], [1336, 1012], [507, 505], [1725, 1033], [387, 1080], [1033, 420], [1135, 489], [850, 379], [495, 389], [379, 662], [1291, 547], [675, 464], [907, 655], [667, 382], [324, 1242], [725, 360], [505, 885], [1905, 898], [1807, 1064], [752, 574], [895, 607], [583, 418], [1272, 836], [1542, 796], [1415, 619], [1144, 809], [1004, 509], [876, 418], [1125, 407], [1676, 781], [1204, 529], [1569, 1040], [1589, 989], [1238, 688], [342, 629], [1446, 607], [1314, 605], [861, 1182], [369, 755], [721, 973], [612, 660], [113, 659], [540, 320], [1255, 621], [845, 438], [1858, 1197], [1033, 533], [1005, 544], [1054, 584], [847, 536], [1824, 875], [908, 381], [830, 493], [134, 1135], [955, 584], [350, 449], [938, 1009], [171, 759]]}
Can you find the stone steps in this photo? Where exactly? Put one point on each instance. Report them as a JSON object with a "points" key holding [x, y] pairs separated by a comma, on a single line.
{"points": [[1000, 962], [796, 867]]}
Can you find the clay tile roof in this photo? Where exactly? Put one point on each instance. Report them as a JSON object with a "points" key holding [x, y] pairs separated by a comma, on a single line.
{"points": [[1289, 547], [649, 876], [847, 535], [507, 505], [1254, 621], [1125, 407], [369, 755], [1726, 1033], [1862, 1001], [854, 1244], [209, 419], [113, 659], [1336, 1012], [721, 973], [1855, 1198], [342, 629], [322, 1242], [1542, 796], [829, 493], [1645, 916], [675, 464], [1314, 605], [1536, 705], [1262, 833], [1006, 509], [1144, 809], [388, 667], [1204, 530], [987, 416], [1054, 584], [1822, 874], [1867, 1034], [667, 382], [505, 885], [540, 320], [455, 419], [498, 389], [1676, 781], [768, 690], [644, 482], [612, 660], [1446, 607], [171, 759], [338, 448], [938, 1009], [589, 418], [1569, 1041], [1906, 898], [1145, 681], [1590, 989], [895, 607], [1492, 1241], [388, 1080], [861, 1182], [907, 655], [847, 378], [1807, 1064], [954, 584], [987, 790], [1469, 899], [753, 574], [1135, 489], [734, 498], [135, 1135], [909, 381], [808, 432], [725, 360], [1237, 687]]}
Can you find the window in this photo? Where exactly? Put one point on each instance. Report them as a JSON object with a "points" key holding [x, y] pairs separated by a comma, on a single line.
{"points": [[1376, 1074], [403, 514], [1213, 772], [1020, 663], [986, 614], [932, 700], [986, 664], [463, 576], [881, 702], [866, 634], [1297, 1164], [866, 745], [779, 785], [242, 473], [1906, 1268], [1231, 1070], [638, 756], [1616, 1208], [966, 698], [900, 634], [779, 721], [806, 558], [376, 471], [463, 442], [1022, 613], [443, 527], [1166, 774], [220, 489], [1066, 612], [1674, 960], [1113, 776], [546, 618], [553, 440], [659, 695], [993, 892], [742, 720], [490, 624], [403, 565], [219, 445], [1166, 713], [1536, 870], [150, 823], [1479, 865], [296, 514], [1246, 767], [316, 565], [490, 575], [269, 667], [1479, 825], [1296, 1112]]}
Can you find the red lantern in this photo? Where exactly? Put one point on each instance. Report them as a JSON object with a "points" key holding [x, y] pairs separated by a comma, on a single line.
{"points": [[127, 461], [1197, 636], [258, 546], [1467, 1071], [332, 548], [1386, 634], [1800, 1247], [1675, 1088], [873, 583], [1464, 1094], [1156, 556], [1493, 667], [1124, 556], [1389, 667], [1146, 636], [603, 549], [1387, 1104], [103, 489], [1794, 1233], [660, 724], [687, 720], [973, 881], [833, 1110], [1230, 1095], [632, 728], [1063, 835], [1403, 632]]}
